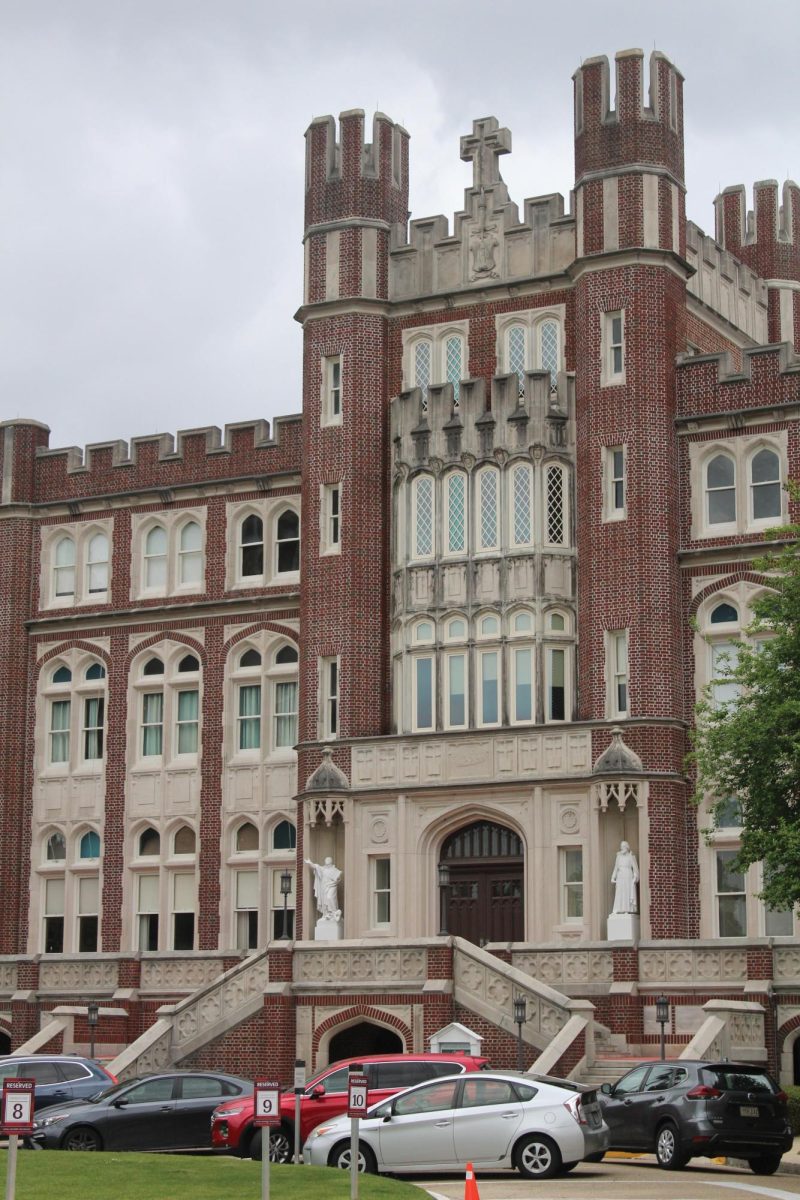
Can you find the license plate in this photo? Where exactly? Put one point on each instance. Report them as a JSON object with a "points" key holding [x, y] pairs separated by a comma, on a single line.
{"points": [[748, 1110]]}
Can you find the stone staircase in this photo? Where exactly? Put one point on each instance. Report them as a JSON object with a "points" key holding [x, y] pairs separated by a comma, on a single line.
{"points": [[605, 1070]]}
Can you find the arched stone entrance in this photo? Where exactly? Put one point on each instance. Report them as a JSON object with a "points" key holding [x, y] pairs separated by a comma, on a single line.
{"points": [[485, 896], [363, 1038]]}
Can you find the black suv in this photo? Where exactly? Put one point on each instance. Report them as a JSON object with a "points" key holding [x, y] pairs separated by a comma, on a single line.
{"points": [[682, 1109]]}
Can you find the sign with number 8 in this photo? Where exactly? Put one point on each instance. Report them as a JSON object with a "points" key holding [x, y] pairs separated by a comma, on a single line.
{"points": [[17, 1106], [267, 1102]]}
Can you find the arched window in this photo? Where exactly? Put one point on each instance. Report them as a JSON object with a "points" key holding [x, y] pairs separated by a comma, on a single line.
{"points": [[454, 364], [721, 490], [556, 622], [522, 623], [153, 666], [97, 563], [189, 663], [190, 554], [56, 848], [423, 509], [517, 356], [456, 630], [521, 505], [95, 671], [488, 503], [422, 368], [250, 658], [489, 626], [723, 613], [765, 485], [64, 567], [184, 841], [556, 505], [247, 839], [149, 843], [62, 675], [423, 632], [456, 487], [89, 845], [251, 546], [549, 350], [286, 654], [284, 836], [155, 558], [288, 541]]}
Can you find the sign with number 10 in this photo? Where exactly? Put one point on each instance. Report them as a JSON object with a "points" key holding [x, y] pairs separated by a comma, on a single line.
{"points": [[268, 1102], [17, 1113], [356, 1095]]}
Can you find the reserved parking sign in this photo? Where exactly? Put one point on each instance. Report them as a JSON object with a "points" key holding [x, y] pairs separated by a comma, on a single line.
{"points": [[17, 1106], [268, 1102], [356, 1095]]}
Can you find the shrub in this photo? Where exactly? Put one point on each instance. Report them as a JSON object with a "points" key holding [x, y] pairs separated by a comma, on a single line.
{"points": [[794, 1108]]}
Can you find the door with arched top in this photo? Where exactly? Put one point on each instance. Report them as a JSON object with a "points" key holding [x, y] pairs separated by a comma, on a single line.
{"points": [[485, 895]]}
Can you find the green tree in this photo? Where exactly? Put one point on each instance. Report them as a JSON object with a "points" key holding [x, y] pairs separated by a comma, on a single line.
{"points": [[749, 748]]}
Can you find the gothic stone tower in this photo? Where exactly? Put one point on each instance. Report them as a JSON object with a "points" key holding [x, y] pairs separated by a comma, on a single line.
{"points": [[630, 277]]}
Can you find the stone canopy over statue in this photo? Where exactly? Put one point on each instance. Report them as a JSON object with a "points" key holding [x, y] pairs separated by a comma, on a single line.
{"points": [[623, 921], [326, 894]]}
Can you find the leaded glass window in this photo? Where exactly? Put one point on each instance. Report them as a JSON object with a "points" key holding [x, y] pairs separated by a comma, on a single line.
{"points": [[422, 369], [487, 493], [456, 514], [516, 355], [548, 341], [555, 506], [453, 363], [423, 517], [522, 507]]}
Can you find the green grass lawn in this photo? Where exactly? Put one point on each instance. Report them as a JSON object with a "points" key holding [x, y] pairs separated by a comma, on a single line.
{"points": [[58, 1175]]}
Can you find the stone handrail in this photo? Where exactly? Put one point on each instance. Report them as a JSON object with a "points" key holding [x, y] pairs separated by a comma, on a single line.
{"points": [[732, 1029], [205, 1015], [487, 986], [54, 1027]]}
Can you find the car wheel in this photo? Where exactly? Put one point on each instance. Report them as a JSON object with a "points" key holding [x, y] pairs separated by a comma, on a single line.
{"points": [[340, 1157], [280, 1146], [537, 1157], [81, 1138], [668, 1151], [764, 1164]]}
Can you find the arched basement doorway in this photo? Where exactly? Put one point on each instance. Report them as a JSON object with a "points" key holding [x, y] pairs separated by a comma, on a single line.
{"points": [[485, 894], [5, 1043], [363, 1038]]}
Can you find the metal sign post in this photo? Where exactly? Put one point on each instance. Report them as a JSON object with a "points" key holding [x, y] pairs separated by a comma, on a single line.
{"points": [[357, 1087], [16, 1117], [267, 1114], [299, 1088]]}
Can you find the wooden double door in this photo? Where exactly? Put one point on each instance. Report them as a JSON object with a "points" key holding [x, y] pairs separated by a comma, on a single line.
{"points": [[485, 895]]}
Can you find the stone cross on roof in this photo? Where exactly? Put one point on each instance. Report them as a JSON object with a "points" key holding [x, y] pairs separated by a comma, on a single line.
{"points": [[483, 146]]}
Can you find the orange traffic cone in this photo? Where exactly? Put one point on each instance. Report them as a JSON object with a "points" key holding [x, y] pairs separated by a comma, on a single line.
{"points": [[471, 1187]]}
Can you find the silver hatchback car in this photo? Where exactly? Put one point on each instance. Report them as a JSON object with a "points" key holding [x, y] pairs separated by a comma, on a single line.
{"points": [[492, 1119]]}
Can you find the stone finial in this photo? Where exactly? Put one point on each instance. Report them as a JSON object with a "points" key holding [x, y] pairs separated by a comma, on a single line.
{"points": [[327, 777], [617, 759], [483, 146]]}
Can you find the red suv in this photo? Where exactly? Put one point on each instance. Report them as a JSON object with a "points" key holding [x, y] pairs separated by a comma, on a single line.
{"points": [[325, 1096]]}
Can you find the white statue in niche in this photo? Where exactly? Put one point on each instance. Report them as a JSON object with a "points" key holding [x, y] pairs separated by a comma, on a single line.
{"points": [[625, 876], [326, 889]]}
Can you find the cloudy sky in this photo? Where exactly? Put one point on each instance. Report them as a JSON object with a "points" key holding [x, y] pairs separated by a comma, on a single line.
{"points": [[152, 167]]}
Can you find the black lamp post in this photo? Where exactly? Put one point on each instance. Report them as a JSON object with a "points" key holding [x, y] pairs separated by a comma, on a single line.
{"points": [[444, 882], [662, 1016], [520, 1016], [286, 887], [92, 1013]]}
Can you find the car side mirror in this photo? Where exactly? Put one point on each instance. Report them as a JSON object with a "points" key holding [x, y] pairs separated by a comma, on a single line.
{"points": [[318, 1092], [606, 1089], [122, 1103]]}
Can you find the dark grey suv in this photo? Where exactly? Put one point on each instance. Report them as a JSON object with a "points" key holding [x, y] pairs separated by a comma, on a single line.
{"points": [[682, 1109]]}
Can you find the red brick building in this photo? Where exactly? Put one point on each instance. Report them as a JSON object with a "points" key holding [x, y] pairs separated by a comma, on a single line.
{"points": [[447, 627]]}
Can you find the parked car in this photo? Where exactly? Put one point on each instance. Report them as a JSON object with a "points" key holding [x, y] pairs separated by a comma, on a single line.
{"points": [[493, 1120], [325, 1096], [58, 1077], [157, 1112], [686, 1108]]}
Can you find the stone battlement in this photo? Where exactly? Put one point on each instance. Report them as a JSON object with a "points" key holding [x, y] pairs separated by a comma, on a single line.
{"points": [[354, 178], [769, 378], [766, 237], [726, 285]]}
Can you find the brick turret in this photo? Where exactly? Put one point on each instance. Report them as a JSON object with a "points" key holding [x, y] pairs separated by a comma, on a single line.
{"points": [[767, 239], [630, 266]]}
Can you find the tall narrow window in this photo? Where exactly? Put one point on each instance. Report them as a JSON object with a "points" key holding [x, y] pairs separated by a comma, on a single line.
{"points": [[64, 567], [548, 351], [331, 506], [731, 901], [456, 683], [517, 339], [251, 547], [246, 887], [147, 912], [572, 884], [190, 554], [488, 503], [556, 507], [453, 353], [456, 513], [93, 727], [89, 845], [522, 660], [249, 716], [97, 563], [88, 909], [332, 402], [616, 481], [288, 541], [155, 558], [187, 722], [724, 660], [183, 906], [422, 369], [556, 684], [54, 916], [423, 692], [721, 490], [489, 668], [152, 724], [765, 485], [330, 697], [382, 894], [423, 516], [59, 731], [618, 656], [614, 349], [522, 506], [286, 714]]}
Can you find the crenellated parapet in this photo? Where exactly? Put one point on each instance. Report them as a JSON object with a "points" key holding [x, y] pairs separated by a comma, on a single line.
{"points": [[246, 449], [439, 430], [769, 379], [636, 131], [726, 285]]}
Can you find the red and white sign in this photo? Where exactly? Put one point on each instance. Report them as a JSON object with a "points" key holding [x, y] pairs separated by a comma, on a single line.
{"points": [[268, 1102], [356, 1095], [17, 1110]]}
